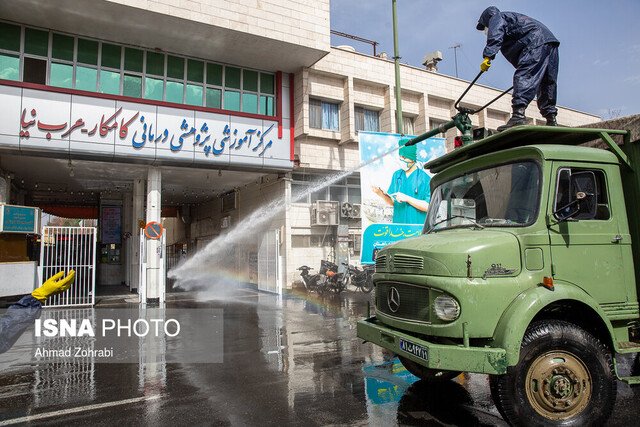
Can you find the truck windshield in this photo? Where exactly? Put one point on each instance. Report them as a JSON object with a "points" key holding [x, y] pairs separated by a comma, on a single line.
{"points": [[506, 195]]}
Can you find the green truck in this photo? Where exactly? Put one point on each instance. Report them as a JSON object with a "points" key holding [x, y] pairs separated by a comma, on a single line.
{"points": [[524, 271]]}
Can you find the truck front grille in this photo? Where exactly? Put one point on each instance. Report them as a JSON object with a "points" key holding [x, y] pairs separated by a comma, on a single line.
{"points": [[411, 302]]}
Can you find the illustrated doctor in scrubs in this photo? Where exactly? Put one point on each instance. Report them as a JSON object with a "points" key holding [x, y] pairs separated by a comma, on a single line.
{"points": [[409, 191]]}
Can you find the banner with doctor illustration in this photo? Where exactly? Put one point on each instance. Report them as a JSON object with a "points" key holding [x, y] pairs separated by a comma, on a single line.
{"points": [[394, 189]]}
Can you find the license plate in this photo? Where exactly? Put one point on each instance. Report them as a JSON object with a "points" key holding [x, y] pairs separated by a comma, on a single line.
{"points": [[416, 350]]}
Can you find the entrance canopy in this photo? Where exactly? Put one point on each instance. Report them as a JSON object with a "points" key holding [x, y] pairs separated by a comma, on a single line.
{"points": [[58, 182]]}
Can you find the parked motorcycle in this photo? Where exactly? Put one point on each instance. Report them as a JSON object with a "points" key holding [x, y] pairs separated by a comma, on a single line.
{"points": [[312, 282], [334, 279], [360, 278]]}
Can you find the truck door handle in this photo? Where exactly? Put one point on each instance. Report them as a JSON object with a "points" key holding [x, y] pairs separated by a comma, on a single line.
{"points": [[617, 239]]}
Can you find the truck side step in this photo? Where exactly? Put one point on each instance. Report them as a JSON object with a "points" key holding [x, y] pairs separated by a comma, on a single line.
{"points": [[630, 380], [629, 347]]}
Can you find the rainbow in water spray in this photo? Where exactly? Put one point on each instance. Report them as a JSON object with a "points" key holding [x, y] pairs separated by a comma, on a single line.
{"points": [[205, 266]]}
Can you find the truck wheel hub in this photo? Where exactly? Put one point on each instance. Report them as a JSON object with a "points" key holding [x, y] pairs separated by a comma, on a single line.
{"points": [[558, 385]]}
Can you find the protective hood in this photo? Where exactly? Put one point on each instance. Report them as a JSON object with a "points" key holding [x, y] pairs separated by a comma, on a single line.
{"points": [[513, 34], [492, 253], [486, 16]]}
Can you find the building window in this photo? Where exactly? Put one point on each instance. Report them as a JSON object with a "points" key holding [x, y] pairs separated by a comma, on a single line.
{"points": [[67, 61], [300, 241], [407, 125], [35, 70], [87, 65], [195, 80], [344, 190], [324, 115], [9, 66], [367, 120], [86, 78], [132, 86], [434, 123]]}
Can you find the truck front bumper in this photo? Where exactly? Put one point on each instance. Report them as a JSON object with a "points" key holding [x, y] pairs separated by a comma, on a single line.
{"points": [[484, 360]]}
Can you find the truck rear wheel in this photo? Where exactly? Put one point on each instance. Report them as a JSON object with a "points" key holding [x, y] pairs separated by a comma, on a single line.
{"points": [[564, 377], [427, 374]]}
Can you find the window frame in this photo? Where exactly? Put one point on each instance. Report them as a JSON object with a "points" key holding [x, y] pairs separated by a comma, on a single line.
{"points": [[357, 110], [435, 122], [412, 122], [321, 102], [264, 100], [601, 180]]}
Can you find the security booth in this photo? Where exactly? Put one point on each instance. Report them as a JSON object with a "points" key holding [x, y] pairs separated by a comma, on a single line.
{"points": [[19, 233]]}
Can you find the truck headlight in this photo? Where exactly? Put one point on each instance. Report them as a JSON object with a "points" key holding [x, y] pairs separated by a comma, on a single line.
{"points": [[446, 308]]}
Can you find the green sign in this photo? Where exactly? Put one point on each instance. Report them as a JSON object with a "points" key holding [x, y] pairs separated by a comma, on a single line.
{"points": [[18, 219]]}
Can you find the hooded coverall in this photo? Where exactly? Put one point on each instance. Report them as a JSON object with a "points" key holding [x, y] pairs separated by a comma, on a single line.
{"points": [[530, 47], [18, 317]]}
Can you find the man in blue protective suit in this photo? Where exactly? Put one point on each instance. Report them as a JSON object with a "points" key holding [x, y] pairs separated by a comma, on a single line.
{"points": [[530, 47], [409, 191], [21, 315]]}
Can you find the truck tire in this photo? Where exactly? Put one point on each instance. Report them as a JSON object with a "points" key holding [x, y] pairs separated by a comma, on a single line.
{"points": [[564, 377], [427, 374], [493, 387]]}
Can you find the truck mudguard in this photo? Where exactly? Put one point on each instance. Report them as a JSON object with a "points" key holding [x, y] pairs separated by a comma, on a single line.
{"points": [[517, 317]]}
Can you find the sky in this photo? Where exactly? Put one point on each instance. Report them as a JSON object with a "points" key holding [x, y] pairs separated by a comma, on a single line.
{"points": [[599, 43]]}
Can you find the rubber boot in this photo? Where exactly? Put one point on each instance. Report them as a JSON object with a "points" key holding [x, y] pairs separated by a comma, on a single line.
{"points": [[551, 120], [517, 119]]}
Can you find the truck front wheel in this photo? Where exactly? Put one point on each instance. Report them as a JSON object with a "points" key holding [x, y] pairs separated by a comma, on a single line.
{"points": [[564, 377], [427, 374]]}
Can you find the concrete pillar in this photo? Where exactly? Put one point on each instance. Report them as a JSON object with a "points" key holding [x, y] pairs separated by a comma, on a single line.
{"points": [[154, 247], [388, 114], [422, 121], [289, 269], [127, 247], [347, 114], [5, 185], [137, 212]]}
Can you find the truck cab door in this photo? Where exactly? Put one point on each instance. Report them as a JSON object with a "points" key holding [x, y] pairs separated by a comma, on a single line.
{"points": [[588, 249]]}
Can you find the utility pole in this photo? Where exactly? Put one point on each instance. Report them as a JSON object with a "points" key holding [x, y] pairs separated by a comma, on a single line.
{"points": [[455, 56], [396, 60]]}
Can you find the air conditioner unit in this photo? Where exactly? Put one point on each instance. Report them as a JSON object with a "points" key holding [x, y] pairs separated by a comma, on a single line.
{"points": [[324, 213], [357, 211], [346, 210]]}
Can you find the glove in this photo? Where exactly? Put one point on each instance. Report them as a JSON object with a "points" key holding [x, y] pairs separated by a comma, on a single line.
{"points": [[53, 286], [485, 64]]}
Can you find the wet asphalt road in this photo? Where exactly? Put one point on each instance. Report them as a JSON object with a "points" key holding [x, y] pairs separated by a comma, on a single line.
{"points": [[293, 360]]}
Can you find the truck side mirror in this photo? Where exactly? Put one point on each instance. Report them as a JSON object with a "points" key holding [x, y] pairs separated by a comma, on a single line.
{"points": [[583, 192]]}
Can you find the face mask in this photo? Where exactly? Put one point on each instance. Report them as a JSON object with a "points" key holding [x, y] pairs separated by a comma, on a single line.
{"points": [[407, 164], [486, 31]]}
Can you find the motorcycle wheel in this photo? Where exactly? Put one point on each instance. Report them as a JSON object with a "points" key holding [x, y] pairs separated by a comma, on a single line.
{"points": [[367, 286]]}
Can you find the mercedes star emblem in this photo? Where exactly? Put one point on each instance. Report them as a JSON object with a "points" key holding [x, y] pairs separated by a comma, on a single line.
{"points": [[393, 299]]}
